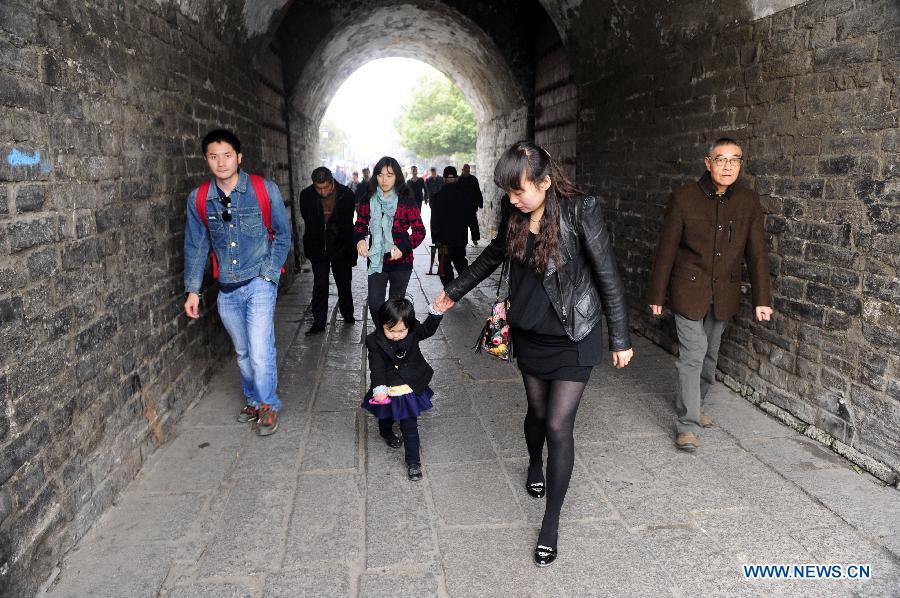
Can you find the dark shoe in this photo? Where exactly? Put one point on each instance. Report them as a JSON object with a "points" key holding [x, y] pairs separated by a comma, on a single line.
{"points": [[544, 555], [248, 414], [349, 320], [268, 420], [706, 421], [393, 441], [315, 330], [687, 441], [414, 472], [536, 489]]}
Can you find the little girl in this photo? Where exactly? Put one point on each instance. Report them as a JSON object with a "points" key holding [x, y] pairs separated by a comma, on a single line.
{"points": [[400, 375]]}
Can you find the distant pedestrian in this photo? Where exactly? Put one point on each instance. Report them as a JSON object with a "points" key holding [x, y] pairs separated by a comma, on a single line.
{"points": [[710, 226], [469, 182], [433, 184], [327, 208], [417, 186], [399, 376], [388, 228], [452, 210], [354, 182], [248, 254], [363, 186]]}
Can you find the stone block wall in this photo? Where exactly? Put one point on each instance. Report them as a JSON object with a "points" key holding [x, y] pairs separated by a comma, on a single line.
{"points": [[811, 93], [102, 105]]}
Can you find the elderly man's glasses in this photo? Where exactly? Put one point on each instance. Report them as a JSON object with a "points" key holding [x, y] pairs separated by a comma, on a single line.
{"points": [[721, 161], [226, 213]]}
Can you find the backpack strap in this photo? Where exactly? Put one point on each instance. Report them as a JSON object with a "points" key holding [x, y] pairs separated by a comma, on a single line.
{"points": [[262, 198], [202, 193], [265, 206]]}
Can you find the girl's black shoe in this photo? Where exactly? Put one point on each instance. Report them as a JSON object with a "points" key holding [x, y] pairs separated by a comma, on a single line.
{"points": [[414, 472], [536, 489], [393, 441], [544, 555]]}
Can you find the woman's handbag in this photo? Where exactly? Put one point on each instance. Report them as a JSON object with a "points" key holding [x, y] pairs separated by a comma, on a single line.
{"points": [[494, 337]]}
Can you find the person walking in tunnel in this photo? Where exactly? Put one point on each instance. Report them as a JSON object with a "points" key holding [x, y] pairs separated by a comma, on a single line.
{"points": [[708, 227], [563, 279], [400, 376], [327, 209], [241, 217], [452, 210], [363, 186], [433, 184], [388, 228], [417, 186], [469, 182], [354, 182]]}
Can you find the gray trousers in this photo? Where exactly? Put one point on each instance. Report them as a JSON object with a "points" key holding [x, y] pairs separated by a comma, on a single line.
{"points": [[698, 352]]}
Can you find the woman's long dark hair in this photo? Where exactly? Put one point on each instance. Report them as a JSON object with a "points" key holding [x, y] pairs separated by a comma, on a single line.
{"points": [[526, 160], [400, 187]]}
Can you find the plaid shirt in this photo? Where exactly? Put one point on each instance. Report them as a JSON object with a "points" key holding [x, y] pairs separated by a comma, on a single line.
{"points": [[407, 218]]}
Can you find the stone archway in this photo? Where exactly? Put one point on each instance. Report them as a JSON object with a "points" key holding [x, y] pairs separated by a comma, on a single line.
{"points": [[444, 38]]}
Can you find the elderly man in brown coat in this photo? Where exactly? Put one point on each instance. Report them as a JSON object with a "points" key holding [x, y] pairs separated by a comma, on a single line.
{"points": [[709, 226]]}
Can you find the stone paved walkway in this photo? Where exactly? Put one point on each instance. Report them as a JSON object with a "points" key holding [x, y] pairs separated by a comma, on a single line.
{"points": [[323, 507]]}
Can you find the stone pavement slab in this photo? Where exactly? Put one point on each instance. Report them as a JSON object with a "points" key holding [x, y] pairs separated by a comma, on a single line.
{"points": [[324, 508]]}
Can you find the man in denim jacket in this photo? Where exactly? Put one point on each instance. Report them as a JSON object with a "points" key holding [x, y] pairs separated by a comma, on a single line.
{"points": [[249, 269]]}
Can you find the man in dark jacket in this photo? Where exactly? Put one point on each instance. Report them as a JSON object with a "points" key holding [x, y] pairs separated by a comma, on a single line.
{"points": [[362, 186], [417, 185], [452, 210], [433, 184], [327, 208], [709, 226], [469, 182]]}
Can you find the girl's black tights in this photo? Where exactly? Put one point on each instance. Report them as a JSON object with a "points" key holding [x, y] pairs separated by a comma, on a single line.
{"points": [[552, 405], [409, 427]]}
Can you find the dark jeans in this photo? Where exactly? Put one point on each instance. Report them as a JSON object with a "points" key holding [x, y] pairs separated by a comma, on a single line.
{"points": [[409, 427], [473, 225], [399, 280], [456, 258], [343, 276]]}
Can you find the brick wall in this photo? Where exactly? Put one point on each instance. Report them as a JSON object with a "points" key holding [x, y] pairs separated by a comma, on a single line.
{"points": [[101, 109], [811, 92]]}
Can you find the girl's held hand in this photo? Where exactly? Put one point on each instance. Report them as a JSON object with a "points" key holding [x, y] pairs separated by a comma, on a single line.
{"points": [[656, 310], [362, 248], [621, 358], [396, 254], [444, 302]]}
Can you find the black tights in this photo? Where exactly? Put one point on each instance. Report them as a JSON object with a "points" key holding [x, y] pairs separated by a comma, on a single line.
{"points": [[409, 427], [552, 405]]}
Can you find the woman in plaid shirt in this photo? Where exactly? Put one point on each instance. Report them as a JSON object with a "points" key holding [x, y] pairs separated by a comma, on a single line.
{"points": [[388, 227]]}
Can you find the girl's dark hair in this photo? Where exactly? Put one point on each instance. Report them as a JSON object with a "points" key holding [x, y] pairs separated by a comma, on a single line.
{"points": [[397, 310], [529, 161], [400, 187]]}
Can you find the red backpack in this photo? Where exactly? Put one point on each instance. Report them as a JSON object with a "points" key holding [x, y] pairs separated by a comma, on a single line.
{"points": [[262, 197]]}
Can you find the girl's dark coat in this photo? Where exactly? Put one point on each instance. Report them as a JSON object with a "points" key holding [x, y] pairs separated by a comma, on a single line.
{"points": [[384, 367]]}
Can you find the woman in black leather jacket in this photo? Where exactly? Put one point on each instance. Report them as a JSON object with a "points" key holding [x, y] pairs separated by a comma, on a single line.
{"points": [[563, 278]]}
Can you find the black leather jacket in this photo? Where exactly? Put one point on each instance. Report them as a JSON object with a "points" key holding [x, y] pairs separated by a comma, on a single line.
{"points": [[584, 284]]}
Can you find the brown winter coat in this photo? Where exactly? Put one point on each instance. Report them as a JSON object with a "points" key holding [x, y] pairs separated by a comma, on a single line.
{"points": [[698, 256]]}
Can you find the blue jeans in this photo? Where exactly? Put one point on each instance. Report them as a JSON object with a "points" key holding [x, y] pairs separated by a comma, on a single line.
{"points": [[248, 313]]}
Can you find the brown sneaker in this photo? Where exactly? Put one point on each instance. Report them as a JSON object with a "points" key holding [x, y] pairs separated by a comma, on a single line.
{"points": [[706, 421], [248, 414], [268, 420], [687, 441]]}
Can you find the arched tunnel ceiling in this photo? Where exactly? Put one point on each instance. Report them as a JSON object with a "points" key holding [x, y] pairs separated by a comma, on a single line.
{"points": [[433, 34]]}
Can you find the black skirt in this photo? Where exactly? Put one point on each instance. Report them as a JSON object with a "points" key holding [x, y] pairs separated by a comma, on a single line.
{"points": [[552, 357]]}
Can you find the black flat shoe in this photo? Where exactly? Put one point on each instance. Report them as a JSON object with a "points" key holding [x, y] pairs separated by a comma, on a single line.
{"points": [[393, 441], [315, 330], [536, 489], [544, 555], [414, 472]]}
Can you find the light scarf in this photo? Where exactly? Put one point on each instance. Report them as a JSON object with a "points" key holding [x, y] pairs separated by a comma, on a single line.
{"points": [[381, 223]]}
